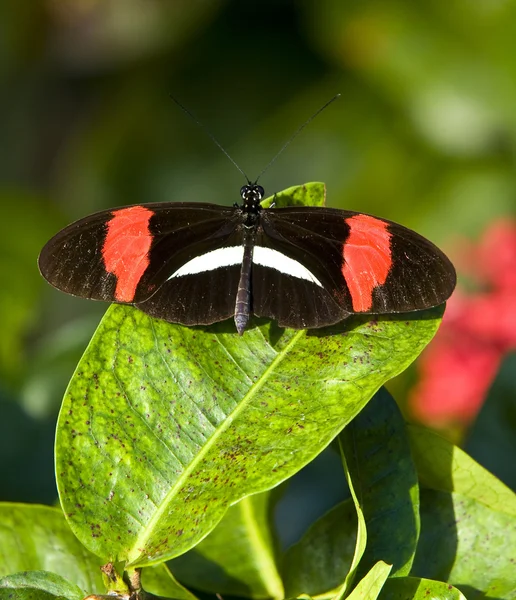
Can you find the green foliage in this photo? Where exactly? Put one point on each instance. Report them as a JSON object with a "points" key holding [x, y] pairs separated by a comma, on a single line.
{"points": [[310, 194], [241, 555], [35, 585], [243, 551], [160, 417], [41, 558], [37, 538], [371, 585], [483, 510], [419, 589], [315, 564], [375, 443], [423, 134]]}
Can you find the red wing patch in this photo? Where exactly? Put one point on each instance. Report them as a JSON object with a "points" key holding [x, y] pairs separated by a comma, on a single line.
{"points": [[367, 259], [126, 249]]}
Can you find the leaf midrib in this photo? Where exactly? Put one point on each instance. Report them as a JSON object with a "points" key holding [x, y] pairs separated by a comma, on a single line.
{"points": [[146, 533]]}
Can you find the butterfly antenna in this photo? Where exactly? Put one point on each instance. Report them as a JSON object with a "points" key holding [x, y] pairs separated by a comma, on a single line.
{"points": [[210, 134], [297, 132]]}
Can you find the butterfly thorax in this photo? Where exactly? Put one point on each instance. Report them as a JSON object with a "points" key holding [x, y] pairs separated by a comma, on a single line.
{"points": [[251, 195]]}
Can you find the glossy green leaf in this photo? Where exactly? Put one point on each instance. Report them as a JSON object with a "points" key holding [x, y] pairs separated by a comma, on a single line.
{"points": [[238, 558], [444, 467], [36, 585], [371, 585], [467, 517], [320, 561], [309, 194], [414, 588], [160, 581], [163, 427], [384, 477], [466, 543], [361, 536], [38, 538]]}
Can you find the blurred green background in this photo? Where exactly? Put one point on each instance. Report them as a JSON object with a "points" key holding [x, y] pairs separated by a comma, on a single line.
{"points": [[424, 134]]}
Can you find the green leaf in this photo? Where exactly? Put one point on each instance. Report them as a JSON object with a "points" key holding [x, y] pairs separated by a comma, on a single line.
{"points": [[38, 585], [309, 194], [371, 585], [444, 467], [163, 427], [465, 543], [319, 562], [467, 518], [160, 581], [38, 538], [238, 557], [414, 588], [361, 537], [384, 477]]}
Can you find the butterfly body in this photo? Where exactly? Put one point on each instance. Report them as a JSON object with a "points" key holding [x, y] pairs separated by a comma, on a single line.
{"points": [[198, 264]]}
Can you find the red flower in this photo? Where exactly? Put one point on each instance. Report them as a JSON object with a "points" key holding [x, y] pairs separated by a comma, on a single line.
{"points": [[459, 366]]}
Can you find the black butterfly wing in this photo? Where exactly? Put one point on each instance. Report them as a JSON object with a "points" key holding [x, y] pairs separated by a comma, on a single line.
{"points": [[363, 265], [129, 254], [302, 301], [202, 290]]}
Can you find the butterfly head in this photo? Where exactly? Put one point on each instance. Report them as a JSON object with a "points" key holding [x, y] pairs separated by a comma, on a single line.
{"points": [[251, 195]]}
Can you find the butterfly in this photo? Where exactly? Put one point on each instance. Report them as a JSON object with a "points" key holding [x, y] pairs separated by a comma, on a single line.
{"points": [[199, 263]]}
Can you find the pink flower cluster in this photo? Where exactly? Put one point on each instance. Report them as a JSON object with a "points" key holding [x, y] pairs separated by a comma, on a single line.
{"points": [[478, 329]]}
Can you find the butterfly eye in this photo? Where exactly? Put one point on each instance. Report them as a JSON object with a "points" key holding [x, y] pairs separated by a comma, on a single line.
{"points": [[243, 191], [260, 191]]}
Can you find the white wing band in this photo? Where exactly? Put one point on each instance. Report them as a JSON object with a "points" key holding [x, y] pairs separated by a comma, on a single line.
{"points": [[233, 255], [267, 257], [215, 259]]}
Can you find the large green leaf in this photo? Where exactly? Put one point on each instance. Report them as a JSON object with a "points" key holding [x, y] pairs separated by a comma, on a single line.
{"points": [[163, 427], [159, 581], [38, 585], [38, 538], [40, 556], [468, 535], [309, 194], [384, 477], [414, 588], [444, 467], [320, 561], [467, 544], [238, 558], [361, 536], [370, 586]]}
